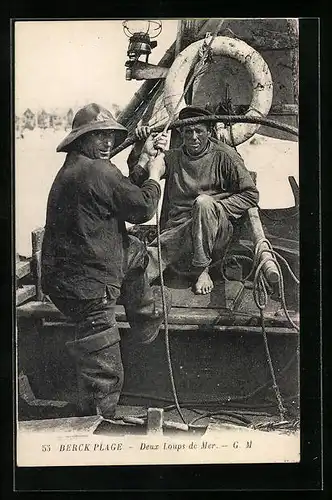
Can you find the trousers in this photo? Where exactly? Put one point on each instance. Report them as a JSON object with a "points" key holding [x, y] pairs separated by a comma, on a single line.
{"points": [[96, 348], [198, 239]]}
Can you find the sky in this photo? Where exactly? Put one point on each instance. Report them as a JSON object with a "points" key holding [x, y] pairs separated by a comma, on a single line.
{"points": [[70, 63]]}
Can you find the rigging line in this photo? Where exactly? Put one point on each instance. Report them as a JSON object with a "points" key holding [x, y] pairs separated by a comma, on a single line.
{"points": [[226, 417], [282, 409], [213, 118], [258, 252], [281, 278], [228, 102], [200, 69], [168, 352], [169, 360], [200, 65], [260, 290]]}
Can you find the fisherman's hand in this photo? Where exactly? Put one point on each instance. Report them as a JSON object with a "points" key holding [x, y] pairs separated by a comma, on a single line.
{"points": [[155, 143], [160, 141], [156, 167], [142, 132]]}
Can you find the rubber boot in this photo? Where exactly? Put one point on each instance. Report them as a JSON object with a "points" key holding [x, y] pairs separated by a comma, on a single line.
{"points": [[99, 371], [145, 321]]}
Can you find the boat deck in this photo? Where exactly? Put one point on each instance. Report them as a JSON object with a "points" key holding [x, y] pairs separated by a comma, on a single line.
{"points": [[230, 305]]}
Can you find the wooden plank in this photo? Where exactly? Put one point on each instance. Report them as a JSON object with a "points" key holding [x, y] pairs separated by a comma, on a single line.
{"points": [[76, 425], [24, 293], [39, 310], [293, 32], [37, 240], [289, 246], [278, 243], [147, 71], [278, 330], [177, 316], [23, 268], [24, 389], [223, 295], [155, 421], [259, 34]]}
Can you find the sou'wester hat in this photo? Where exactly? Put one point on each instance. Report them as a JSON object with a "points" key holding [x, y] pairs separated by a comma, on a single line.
{"points": [[193, 112], [89, 118]]}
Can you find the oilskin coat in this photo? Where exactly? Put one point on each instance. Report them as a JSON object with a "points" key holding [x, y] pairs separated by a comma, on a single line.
{"points": [[88, 260], [85, 245]]}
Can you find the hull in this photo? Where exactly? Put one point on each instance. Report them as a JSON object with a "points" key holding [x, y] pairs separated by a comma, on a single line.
{"points": [[211, 369]]}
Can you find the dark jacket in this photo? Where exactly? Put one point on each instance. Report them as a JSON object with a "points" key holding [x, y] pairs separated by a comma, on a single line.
{"points": [[85, 242]]}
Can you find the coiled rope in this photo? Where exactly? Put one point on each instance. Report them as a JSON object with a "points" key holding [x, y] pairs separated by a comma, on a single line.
{"points": [[261, 298]]}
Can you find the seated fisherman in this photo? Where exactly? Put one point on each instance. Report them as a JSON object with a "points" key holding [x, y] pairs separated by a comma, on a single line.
{"points": [[89, 260], [207, 189]]}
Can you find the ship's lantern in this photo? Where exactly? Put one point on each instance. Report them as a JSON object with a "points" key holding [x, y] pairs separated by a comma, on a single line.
{"points": [[141, 43]]}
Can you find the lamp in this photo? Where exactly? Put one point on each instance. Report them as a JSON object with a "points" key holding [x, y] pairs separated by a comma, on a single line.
{"points": [[140, 34]]}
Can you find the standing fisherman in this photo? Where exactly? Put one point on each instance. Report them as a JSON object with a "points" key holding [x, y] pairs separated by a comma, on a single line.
{"points": [[88, 259]]}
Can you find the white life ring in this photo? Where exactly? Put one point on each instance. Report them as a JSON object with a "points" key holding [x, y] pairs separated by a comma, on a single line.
{"points": [[256, 66]]}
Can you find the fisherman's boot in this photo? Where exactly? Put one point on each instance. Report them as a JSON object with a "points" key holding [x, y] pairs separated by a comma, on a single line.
{"points": [[143, 303], [145, 319], [99, 372]]}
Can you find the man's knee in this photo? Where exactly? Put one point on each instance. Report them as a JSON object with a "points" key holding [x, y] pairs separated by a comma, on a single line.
{"points": [[137, 255], [204, 201]]}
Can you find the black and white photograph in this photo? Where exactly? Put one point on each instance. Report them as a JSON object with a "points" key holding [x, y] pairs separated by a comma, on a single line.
{"points": [[157, 241]]}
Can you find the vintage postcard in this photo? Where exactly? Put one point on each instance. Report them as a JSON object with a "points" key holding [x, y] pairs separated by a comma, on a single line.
{"points": [[157, 241]]}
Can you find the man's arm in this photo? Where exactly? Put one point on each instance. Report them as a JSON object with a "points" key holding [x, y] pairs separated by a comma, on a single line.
{"points": [[139, 204], [131, 203], [136, 164], [136, 204], [243, 192]]}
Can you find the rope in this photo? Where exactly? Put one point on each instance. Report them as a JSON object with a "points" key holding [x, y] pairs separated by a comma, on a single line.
{"points": [[258, 252], [282, 409], [228, 104], [261, 298], [229, 415], [204, 56], [168, 353], [258, 267], [213, 118]]}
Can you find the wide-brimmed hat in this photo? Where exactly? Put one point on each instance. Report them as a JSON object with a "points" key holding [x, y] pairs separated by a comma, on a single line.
{"points": [[193, 112], [89, 118]]}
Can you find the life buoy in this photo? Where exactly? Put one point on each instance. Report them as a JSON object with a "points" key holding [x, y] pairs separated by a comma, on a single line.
{"points": [[237, 49]]}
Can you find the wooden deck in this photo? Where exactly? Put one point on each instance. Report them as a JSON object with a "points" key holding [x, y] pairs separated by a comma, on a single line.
{"points": [[230, 306]]}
